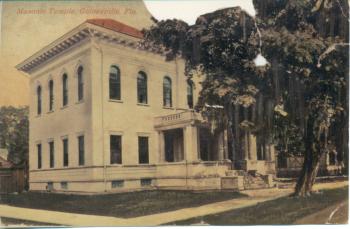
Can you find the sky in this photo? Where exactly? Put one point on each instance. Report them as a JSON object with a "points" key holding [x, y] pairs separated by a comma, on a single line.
{"points": [[21, 35]]}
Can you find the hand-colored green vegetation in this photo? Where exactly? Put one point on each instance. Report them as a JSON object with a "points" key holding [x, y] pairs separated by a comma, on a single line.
{"points": [[285, 210], [118, 205]]}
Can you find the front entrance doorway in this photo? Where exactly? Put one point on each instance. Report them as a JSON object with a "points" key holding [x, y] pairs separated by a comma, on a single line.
{"points": [[174, 145]]}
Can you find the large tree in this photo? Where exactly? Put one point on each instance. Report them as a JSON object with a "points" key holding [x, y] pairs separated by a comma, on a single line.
{"points": [[223, 45], [318, 63], [14, 133]]}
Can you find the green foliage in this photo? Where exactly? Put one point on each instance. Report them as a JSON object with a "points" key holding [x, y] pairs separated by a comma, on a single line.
{"points": [[14, 132]]}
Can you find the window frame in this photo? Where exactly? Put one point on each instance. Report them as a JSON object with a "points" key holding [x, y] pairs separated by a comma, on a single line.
{"points": [[143, 155], [114, 84], [65, 148], [81, 151], [80, 79], [51, 95], [167, 92], [39, 99], [116, 155], [51, 154], [39, 154], [65, 98], [190, 94], [142, 87]]}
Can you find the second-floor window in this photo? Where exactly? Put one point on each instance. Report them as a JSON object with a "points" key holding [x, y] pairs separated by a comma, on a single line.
{"points": [[114, 83], [38, 94], [51, 95], [190, 94], [142, 88], [65, 90], [80, 84], [167, 92]]}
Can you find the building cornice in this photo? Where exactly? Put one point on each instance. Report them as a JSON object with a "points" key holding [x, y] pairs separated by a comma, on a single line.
{"points": [[77, 35]]}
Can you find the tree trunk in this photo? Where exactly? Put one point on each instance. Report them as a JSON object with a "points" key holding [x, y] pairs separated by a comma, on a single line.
{"points": [[308, 174], [312, 155]]}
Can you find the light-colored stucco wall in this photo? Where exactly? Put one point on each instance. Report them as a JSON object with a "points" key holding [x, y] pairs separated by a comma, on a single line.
{"points": [[70, 121], [97, 117]]}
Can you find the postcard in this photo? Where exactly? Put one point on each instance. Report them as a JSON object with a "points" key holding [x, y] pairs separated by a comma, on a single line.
{"points": [[174, 113]]}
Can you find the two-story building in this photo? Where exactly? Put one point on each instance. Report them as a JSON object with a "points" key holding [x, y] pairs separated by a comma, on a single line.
{"points": [[107, 115]]}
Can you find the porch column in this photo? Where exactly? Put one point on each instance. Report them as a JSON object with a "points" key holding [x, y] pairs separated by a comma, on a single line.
{"points": [[246, 150], [161, 153], [252, 147], [225, 144], [191, 143]]}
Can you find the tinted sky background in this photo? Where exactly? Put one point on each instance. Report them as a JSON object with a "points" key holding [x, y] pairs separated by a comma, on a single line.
{"points": [[23, 35]]}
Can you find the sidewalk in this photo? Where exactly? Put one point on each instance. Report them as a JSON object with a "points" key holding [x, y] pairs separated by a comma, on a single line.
{"points": [[72, 219]]}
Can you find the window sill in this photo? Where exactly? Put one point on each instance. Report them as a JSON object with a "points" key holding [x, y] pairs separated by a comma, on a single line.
{"points": [[64, 107], [143, 104], [115, 165], [49, 112], [115, 101], [168, 108], [80, 101], [38, 116]]}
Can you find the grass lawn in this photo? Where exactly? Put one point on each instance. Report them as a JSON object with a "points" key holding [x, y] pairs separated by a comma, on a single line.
{"points": [[285, 210], [117, 205]]}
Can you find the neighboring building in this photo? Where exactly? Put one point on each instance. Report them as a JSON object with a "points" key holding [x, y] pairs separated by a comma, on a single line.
{"points": [[290, 166], [107, 115], [11, 176]]}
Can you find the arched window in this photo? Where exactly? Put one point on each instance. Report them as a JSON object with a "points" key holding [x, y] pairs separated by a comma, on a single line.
{"points": [[65, 89], [167, 92], [114, 83], [190, 94], [142, 88], [38, 94], [50, 95], [80, 83]]}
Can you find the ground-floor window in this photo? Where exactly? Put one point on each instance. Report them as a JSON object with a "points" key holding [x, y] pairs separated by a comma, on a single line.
{"points": [[49, 186], [146, 182], [64, 185], [116, 149], [117, 184], [143, 150], [65, 152], [52, 154], [81, 149], [39, 155]]}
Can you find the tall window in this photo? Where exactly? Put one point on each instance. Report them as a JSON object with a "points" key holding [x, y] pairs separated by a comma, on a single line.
{"points": [[116, 149], [80, 84], [167, 92], [114, 83], [190, 94], [52, 154], [39, 155], [143, 150], [65, 89], [81, 148], [51, 95], [65, 152], [38, 94], [142, 88]]}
